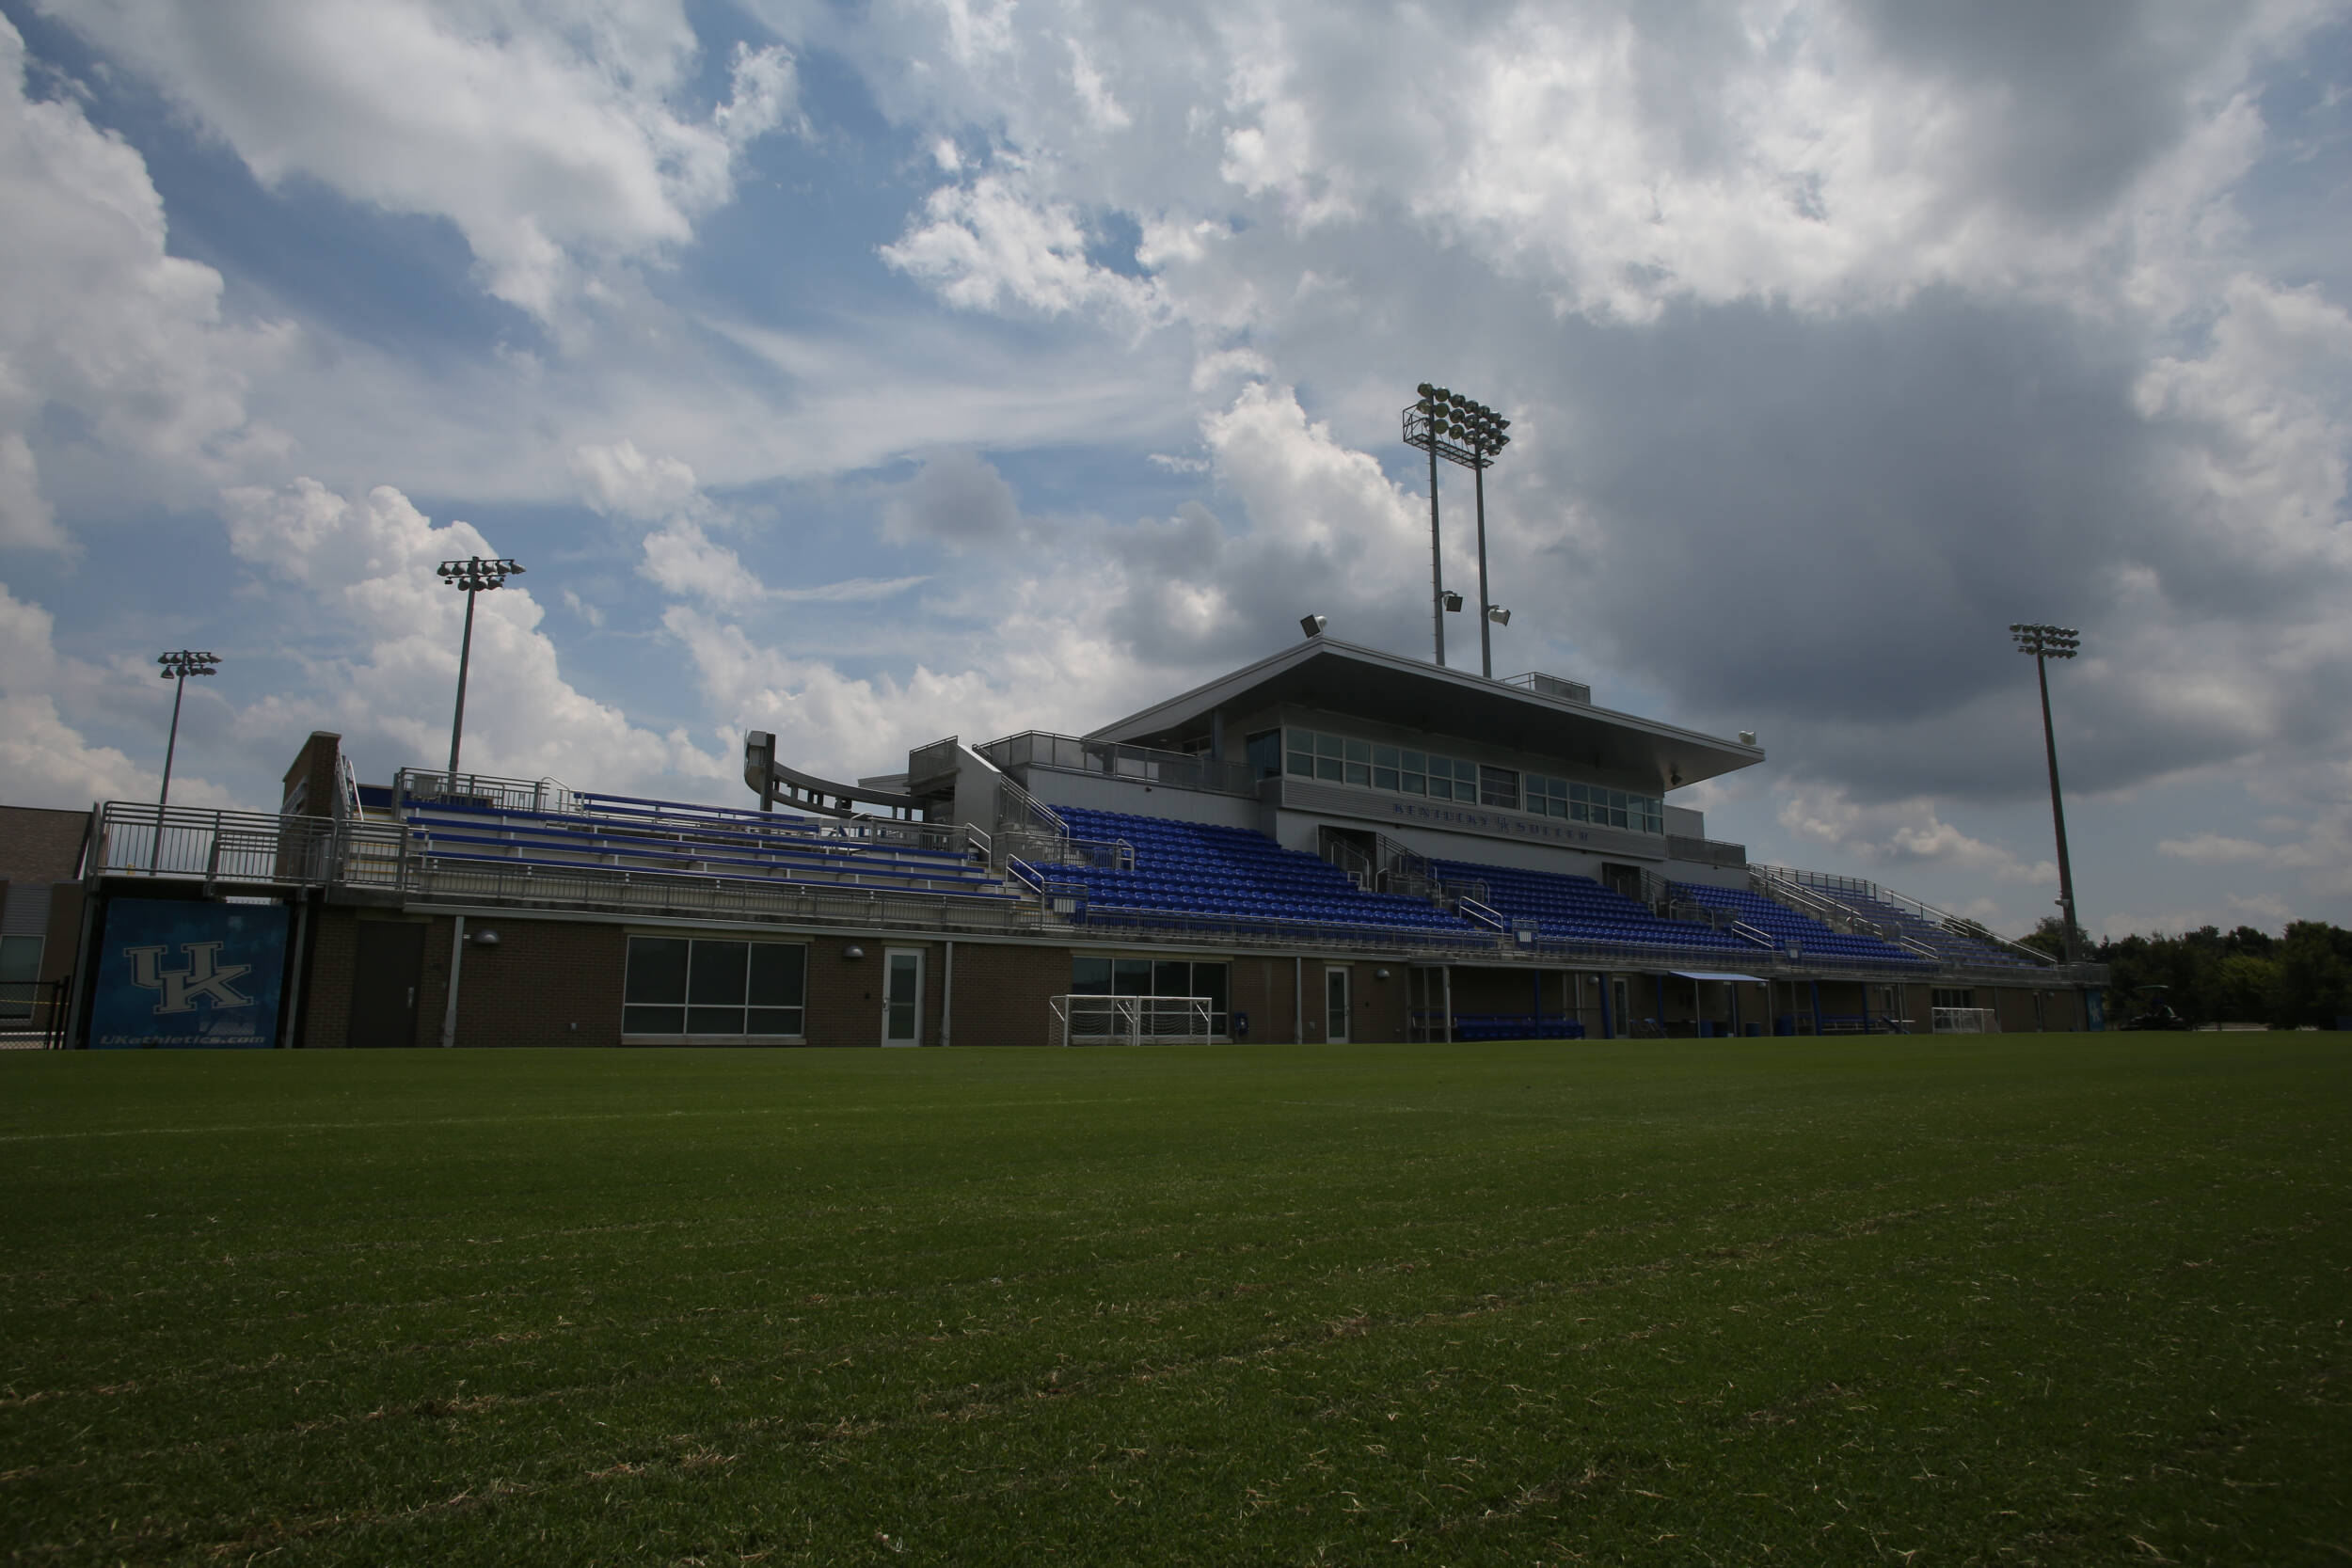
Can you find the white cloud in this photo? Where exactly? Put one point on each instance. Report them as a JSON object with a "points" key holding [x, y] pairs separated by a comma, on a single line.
{"points": [[383, 646], [551, 132], [45, 758], [620, 481], [101, 332], [996, 243], [1904, 833]]}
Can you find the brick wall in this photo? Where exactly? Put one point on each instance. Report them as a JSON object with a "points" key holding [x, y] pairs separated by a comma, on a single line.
{"points": [[1003, 994], [547, 982], [37, 845], [311, 782]]}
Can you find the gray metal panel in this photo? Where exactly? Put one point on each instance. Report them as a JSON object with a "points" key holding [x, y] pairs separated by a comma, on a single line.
{"points": [[28, 911], [1413, 810], [1107, 792]]}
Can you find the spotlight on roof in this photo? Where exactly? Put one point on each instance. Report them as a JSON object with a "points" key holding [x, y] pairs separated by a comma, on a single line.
{"points": [[1313, 624], [1498, 615], [1453, 601]]}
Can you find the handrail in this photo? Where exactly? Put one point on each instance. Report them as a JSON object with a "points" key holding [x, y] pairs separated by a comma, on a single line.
{"points": [[430, 784], [1471, 909], [1957, 926], [1755, 934]]}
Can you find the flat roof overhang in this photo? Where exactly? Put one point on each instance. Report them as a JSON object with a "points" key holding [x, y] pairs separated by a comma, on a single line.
{"points": [[1340, 677]]}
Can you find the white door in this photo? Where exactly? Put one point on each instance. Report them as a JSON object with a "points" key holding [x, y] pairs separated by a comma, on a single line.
{"points": [[1335, 1005], [902, 996]]}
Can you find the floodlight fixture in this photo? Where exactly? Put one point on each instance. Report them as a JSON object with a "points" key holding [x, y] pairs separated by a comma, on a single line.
{"points": [[1444, 424], [1498, 615], [1452, 601], [2045, 644], [1313, 624], [473, 575]]}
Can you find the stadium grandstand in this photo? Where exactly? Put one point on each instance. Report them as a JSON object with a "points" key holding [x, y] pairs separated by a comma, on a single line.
{"points": [[1333, 844]]}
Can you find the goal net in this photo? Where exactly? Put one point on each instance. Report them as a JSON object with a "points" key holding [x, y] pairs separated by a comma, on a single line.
{"points": [[1132, 1019], [1966, 1021]]}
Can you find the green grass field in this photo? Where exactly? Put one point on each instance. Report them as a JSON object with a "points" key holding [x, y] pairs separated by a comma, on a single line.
{"points": [[2006, 1300]]}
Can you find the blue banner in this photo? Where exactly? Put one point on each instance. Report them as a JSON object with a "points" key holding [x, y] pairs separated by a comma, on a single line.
{"points": [[175, 974]]}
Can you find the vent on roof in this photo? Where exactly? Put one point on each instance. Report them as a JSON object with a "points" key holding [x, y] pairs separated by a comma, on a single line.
{"points": [[1552, 685]]}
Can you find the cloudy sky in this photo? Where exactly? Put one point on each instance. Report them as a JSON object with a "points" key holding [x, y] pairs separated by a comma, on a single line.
{"points": [[873, 372]]}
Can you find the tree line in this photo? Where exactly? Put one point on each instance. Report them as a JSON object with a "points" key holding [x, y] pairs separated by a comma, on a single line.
{"points": [[2215, 976]]}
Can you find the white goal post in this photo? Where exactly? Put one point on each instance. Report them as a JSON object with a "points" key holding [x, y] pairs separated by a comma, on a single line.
{"points": [[1966, 1021], [1132, 1019]]}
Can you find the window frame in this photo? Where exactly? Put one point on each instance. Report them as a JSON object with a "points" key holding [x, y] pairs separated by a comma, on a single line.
{"points": [[698, 1002]]}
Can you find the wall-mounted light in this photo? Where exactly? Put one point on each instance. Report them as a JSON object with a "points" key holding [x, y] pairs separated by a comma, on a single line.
{"points": [[1747, 737], [854, 952], [1313, 624], [1379, 974], [483, 939]]}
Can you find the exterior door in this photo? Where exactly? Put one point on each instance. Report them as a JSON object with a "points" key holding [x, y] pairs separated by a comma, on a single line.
{"points": [[1335, 1005], [902, 996], [384, 972]]}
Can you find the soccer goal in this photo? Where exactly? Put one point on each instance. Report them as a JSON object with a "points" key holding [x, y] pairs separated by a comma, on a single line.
{"points": [[1966, 1021], [1133, 1020]]}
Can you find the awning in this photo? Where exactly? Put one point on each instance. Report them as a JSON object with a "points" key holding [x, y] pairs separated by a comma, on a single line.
{"points": [[1712, 975]]}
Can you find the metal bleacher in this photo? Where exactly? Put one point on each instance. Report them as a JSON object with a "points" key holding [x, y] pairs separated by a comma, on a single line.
{"points": [[473, 821], [1893, 916], [1195, 870], [1791, 931], [1579, 912]]}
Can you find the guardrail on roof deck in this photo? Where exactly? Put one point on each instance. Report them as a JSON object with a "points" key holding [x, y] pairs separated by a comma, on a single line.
{"points": [[481, 789], [139, 838]]}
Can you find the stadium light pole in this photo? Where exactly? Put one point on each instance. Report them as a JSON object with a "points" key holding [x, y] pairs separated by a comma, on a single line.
{"points": [[2046, 644], [475, 575], [177, 666], [1444, 424]]}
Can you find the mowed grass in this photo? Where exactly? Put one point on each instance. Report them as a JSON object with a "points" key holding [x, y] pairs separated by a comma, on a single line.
{"points": [[2013, 1299]]}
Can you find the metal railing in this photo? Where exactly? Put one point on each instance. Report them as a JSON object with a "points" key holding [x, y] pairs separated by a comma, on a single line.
{"points": [[1705, 851], [138, 838], [1824, 882], [481, 789], [32, 1013], [1092, 1020], [1552, 685], [1071, 754]]}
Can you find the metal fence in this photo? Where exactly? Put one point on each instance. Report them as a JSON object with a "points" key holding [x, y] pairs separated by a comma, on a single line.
{"points": [[1133, 1020], [32, 1013]]}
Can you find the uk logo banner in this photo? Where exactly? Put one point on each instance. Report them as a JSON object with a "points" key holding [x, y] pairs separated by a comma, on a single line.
{"points": [[175, 974]]}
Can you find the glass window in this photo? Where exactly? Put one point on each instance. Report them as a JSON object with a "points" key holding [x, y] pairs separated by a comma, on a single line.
{"points": [[1384, 768], [1499, 786], [1330, 746], [1263, 754], [1089, 976], [652, 994], [1171, 977], [1360, 762], [714, 987], [677, 986], [777, 990], [1131, 976], [1302, 752], [20, 976]]}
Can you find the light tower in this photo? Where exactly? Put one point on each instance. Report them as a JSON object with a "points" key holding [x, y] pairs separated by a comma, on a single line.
{"points": [[2046, 644], [475, 575], [177, 667], [1444, 424]]}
